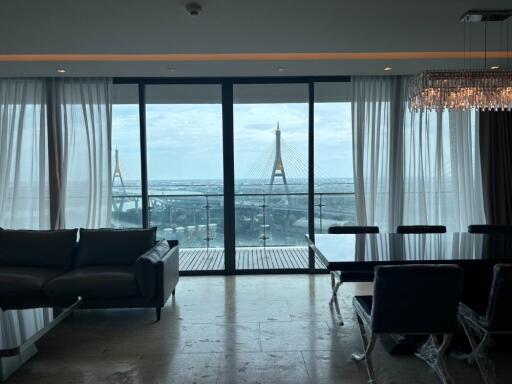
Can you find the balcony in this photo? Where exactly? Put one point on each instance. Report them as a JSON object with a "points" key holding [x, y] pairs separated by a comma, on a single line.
{"points": [[269, 233], [247, 258]]}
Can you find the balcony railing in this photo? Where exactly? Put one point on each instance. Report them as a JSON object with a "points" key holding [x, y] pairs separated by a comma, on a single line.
{"points": [[261, 219]]}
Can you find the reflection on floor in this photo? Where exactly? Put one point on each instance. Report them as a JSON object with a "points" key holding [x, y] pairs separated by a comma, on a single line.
{"points": [[236, 329], [203, 259]]}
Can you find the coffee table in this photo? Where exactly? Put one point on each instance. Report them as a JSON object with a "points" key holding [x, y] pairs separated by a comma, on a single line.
{"points": [[21, 329]]}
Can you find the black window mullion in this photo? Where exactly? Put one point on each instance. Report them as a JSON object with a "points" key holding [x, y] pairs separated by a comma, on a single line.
{"points": [[311, 171], [229, 177], [143, 155]]}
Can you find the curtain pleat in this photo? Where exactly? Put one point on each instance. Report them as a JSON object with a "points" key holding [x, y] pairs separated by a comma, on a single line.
{"points": [[377, 164], [24, 196], [413, 168], [442, 182], [82, 140]]}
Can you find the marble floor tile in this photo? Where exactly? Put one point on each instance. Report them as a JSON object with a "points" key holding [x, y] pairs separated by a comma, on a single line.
{"points": [[263, 368], [225, 338], [175, 368], [332, 367], [234, 329], [300, 336]]}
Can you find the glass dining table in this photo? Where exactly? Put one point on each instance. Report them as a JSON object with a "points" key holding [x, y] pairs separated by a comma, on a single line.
{"points": [[349, 256]]}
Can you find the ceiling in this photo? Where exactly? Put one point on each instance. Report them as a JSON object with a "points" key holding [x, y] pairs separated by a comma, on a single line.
{"points": [[303, 37]]}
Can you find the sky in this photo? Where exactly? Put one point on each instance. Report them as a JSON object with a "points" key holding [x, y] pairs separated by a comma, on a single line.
{"points": [[185, 140]]}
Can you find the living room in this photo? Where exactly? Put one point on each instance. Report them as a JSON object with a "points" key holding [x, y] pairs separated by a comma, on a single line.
{"points": [[254, 192]]}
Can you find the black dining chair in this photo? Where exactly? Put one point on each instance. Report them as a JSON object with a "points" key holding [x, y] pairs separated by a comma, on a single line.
{"points": [[351, 229], [411, 300], [348, 276], [497, 319], [421, 229], [488, 228]]}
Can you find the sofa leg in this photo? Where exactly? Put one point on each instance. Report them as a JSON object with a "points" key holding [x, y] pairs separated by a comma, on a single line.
{"points": [[158, 313], [174, 292]]}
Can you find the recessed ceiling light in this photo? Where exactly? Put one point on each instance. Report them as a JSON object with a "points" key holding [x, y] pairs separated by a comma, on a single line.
{"points": [[495, 67], [61, 70], [280, 69], [388, 68]]}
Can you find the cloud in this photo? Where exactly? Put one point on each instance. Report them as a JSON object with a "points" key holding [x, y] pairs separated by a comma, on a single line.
{"points": [[184, 141]]}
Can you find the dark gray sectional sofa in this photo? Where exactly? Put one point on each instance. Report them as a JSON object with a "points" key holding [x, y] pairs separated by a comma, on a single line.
{"points": [[108, 268]]}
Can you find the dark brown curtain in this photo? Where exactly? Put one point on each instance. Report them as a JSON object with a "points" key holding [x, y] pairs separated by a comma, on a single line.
{"points": [[496, 162]]}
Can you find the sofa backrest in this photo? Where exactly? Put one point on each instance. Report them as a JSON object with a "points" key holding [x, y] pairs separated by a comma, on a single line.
{"points": [[33, 248], [113, 246]]}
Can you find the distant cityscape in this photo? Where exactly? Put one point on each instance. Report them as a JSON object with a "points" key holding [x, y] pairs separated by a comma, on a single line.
{"points": [[192, 211], [271, 202]]}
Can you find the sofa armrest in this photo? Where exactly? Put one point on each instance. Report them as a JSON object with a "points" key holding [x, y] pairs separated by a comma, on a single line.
{"points": [[168, 274], [146, 269]]}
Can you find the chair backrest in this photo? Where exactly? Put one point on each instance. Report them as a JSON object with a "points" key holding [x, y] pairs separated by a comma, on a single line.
{"points": [[352, 229], [499, 310], [481, 228], [421, 229], [416, 299]]}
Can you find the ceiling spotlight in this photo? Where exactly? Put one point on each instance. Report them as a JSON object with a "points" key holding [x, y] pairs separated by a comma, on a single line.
{"points": [[280, 69], [495, 67], [193, 9], [388, 69], [61, 70]]}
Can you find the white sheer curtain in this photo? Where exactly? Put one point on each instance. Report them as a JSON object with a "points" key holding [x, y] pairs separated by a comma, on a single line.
{"points": [[59, 175], [24, 197], [377, 159], [442, 179], [81, 138], [412, 168]]}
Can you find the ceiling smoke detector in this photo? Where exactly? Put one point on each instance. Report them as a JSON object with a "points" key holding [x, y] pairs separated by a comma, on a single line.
{"points": [[193, 9]]}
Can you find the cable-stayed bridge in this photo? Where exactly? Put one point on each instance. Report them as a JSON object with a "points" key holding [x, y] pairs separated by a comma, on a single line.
{"points": [[271, 202]]}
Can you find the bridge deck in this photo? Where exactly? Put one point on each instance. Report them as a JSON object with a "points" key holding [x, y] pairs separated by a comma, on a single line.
{"points": [[247, 258]]}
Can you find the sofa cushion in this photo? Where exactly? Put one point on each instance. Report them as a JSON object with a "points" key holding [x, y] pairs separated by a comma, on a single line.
{"points": [[145, 268], [23, 282], [44, 249], [99, 282], [113, 246]]}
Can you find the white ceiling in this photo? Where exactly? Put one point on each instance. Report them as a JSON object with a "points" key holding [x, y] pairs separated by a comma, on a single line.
{"points": [[239, 26]]}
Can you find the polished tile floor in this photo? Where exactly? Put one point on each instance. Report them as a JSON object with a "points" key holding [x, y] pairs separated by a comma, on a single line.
{"points": [[243, 329]]}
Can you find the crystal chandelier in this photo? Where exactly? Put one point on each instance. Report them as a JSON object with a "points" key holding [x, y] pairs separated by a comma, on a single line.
{"points": [[439, 90], [464, 89]]}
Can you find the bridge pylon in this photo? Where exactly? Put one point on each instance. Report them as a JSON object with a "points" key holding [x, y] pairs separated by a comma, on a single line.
{"points": [[118, 205], [278, 170]]}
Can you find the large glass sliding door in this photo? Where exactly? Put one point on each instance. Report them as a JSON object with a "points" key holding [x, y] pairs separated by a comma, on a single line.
{"points": [[334, 175], [126, 156], [185, 171], [236, 170], [271, 175]]}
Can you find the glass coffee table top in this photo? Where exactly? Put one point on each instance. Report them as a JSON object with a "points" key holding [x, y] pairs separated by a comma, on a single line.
{"points": [[25, 326]]}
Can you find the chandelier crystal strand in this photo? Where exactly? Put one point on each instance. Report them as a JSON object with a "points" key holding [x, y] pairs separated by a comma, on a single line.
{"points": [[439, 90]]}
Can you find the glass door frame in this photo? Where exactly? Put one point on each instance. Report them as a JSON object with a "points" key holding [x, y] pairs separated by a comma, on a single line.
{"points": [[227, 84]]}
